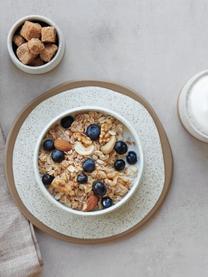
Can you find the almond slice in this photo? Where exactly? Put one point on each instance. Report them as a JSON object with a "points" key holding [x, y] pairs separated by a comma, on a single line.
{"points": [[63, 145]]}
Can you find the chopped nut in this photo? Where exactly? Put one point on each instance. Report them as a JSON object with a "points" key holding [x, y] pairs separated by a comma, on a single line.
{"points": [[62, 144], [83, 138], [108, 147], [91, 203], [82, 150], [104, 132]]}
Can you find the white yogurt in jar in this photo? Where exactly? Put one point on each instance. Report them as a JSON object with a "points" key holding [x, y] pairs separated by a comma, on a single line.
{"points": [[193, 106]]}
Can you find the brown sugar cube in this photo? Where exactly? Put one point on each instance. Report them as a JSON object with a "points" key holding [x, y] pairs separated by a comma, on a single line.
{"points": [[48, 34], [18, 40], [30, 30], [35, 46], [49, 51], [24, 54], [37, 62]]}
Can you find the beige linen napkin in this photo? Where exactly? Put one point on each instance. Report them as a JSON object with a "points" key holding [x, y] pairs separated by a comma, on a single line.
{"points": [[19, 251]]}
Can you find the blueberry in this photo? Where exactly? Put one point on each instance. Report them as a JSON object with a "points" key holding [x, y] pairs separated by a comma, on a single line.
{"points": [[121, 147], [93, 131], [47, 179], [67, 121], [99, 188], [131, 157], [48, 145], [89, 165], [119, 164], [106, 202], [82, 178], [57, 156]]}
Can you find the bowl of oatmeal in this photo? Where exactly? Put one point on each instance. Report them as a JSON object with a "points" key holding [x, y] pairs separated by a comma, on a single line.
{"points": [[88, 161]]}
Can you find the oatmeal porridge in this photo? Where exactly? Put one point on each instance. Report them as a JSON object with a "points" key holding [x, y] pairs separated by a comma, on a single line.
{"points": [[86, 163]]}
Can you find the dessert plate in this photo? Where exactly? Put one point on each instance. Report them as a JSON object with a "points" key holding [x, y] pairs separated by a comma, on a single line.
{"points": [[60, 223]]}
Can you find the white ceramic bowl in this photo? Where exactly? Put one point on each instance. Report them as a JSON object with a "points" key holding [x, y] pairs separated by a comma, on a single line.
{"points": [[137, 148], [36, 69], [192, 103]]}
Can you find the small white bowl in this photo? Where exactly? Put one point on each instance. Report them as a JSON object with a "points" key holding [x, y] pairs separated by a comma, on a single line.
{"points": [[36, 69], [193, 106], [136, 180]]}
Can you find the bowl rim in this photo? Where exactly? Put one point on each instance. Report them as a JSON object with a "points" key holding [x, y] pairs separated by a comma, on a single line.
{"points": [[40, 18], [136, 181]]}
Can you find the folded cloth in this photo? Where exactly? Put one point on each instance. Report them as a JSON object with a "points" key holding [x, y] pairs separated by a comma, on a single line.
{"points": [[19, 251]]}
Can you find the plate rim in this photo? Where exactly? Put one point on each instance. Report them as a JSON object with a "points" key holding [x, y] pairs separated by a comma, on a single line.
{"points": [[165, 145]]}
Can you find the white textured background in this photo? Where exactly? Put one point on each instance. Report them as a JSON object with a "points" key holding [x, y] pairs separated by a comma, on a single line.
{"points": [[152, 46]]}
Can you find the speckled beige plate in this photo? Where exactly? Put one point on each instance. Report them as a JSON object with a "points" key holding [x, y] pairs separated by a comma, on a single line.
{"points": [[59, 223]]}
